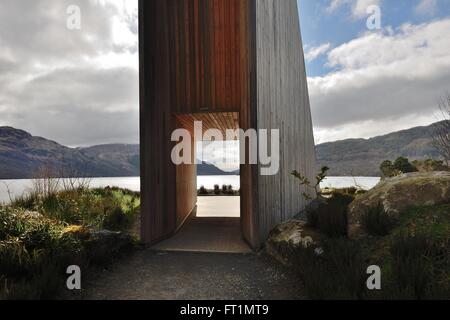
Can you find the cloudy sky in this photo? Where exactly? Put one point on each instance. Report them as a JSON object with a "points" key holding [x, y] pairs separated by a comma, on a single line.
{"points": [[80, 87], [365, 82]]}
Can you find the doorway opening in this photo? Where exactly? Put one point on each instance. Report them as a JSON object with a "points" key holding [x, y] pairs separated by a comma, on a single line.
{"points": [[208, 199]]}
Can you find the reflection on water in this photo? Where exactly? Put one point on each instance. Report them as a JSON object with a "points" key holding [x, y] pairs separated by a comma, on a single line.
{"points": [[20, 187]]}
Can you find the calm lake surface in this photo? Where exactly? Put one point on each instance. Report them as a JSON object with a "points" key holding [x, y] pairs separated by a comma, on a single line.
{"points": [[21, 187]]}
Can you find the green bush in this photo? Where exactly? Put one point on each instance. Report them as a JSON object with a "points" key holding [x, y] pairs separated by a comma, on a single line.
{"points": [[118, 220], [27, 202], [330, 217], [414, 257], [337, 273], [33, 254], [377, 222], [400, 165], [216, 189], [35, 250], [202, 191], [418, 263], [98, 208]]}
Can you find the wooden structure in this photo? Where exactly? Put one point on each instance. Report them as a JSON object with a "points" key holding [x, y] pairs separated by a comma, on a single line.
{"points": [[229, 63]]}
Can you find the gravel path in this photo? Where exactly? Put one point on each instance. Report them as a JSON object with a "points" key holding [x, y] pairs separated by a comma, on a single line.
{"points": [[193, 276]]}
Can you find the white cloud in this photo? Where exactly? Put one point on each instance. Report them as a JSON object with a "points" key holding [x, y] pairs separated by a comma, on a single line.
{"points": [[77, 87], [358, 7], [426, 7], [314, 52], [224, 154], [384, 81]]}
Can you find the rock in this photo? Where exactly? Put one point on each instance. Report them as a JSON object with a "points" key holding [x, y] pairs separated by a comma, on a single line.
{"points": [[290, 235], [399, 193]]}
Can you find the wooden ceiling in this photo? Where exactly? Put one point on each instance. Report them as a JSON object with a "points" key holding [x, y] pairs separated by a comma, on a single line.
{"points": [[211, 120]]}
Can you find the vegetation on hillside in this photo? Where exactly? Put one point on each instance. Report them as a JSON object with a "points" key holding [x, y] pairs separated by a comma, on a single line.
{"points": [[402, 165], [362, 157], [412, 251], [399, 166]]}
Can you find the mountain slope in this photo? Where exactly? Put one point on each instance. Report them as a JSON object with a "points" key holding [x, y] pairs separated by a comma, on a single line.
{"points": [[21, 156], [121, 158], [362, 157], [208, 169]]}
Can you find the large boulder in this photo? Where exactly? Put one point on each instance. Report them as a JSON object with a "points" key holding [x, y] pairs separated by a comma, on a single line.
{"points": [[399, 193], [291, 235]]}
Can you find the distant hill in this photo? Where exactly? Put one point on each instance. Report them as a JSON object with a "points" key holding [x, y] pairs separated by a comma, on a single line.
{"points": [[362, 157], [21, 155], [207, 169]]}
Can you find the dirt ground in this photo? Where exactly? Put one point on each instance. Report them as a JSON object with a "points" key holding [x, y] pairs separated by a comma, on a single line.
{"points": [[148, 275]]}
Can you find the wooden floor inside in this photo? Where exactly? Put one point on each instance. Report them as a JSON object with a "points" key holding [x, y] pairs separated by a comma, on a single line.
{"points": [[207, 235]]}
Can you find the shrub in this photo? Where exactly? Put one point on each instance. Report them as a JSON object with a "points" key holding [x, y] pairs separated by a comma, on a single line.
{"points": [[33, 255], [337, 273], [414, 259], [430, 165], [118, 220], [304, 181], [387, 169], [412, 265], [202, 191], [402, 164], [97, 208], [377, 222], [330, 216], [349, 191], [27, 202], [216, 189], [35, 250]]}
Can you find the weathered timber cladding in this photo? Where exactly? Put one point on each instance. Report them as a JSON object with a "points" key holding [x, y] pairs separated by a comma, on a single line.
{"points": [[195, 57], [282, 103], [237, 63]]}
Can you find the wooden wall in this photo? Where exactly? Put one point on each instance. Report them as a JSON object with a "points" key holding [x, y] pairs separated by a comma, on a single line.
{"points": [[238, 56], [195, 57], [282, 103], [186, 186], [208, 53]]}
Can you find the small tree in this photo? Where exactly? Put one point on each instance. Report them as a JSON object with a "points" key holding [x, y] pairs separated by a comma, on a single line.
{"points": [[304, 181], [403, 165], [387, 169], [202, 191], [441, 133], [400, 165]]}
